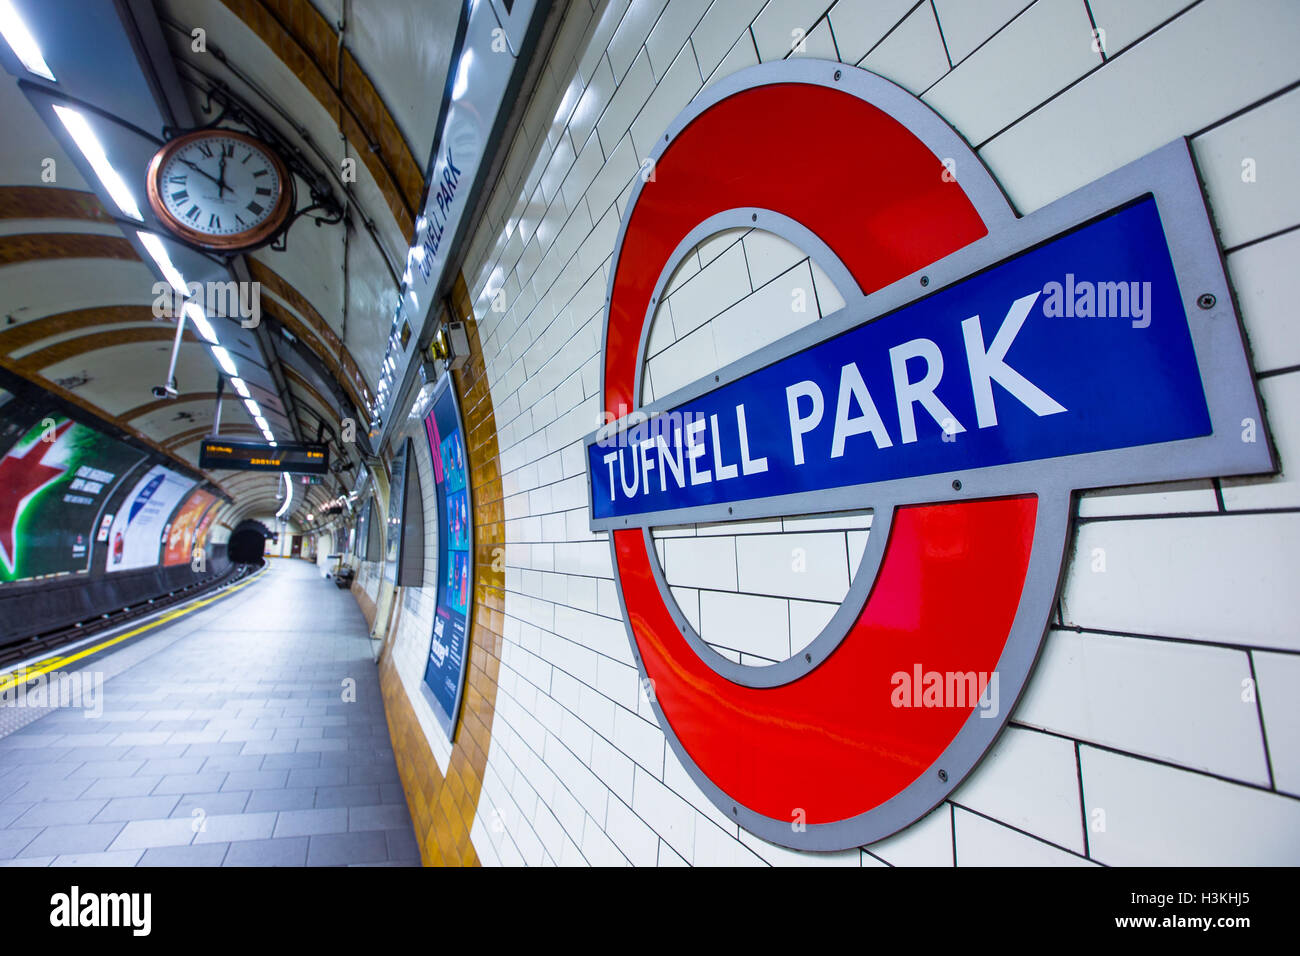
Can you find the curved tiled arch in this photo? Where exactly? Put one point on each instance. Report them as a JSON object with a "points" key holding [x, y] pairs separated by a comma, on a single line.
{"points": [[72, 348], [306, 43], [51, 202], [33, 246], [30, 332]]}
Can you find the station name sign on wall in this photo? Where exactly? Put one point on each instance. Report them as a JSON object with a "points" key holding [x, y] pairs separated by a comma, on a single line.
{"points": [[989, 371], [985, 367]]}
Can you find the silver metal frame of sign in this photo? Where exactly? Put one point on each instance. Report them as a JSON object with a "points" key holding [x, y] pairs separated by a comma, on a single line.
{"points": [[450, 722], [1167, 174]]}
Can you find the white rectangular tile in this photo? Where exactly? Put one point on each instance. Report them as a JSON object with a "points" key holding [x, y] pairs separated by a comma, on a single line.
{"points": [[798, 565], [1182, 78], [1281, 395], [1223, 578], [982, 842], [1051, 45], [1277, 677], [1146, 814], [1028, 780], [1266, 287], [1183, 703], [912, 55]]}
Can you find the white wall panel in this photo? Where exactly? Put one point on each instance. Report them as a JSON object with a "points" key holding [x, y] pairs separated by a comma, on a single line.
{"points": [[1148, 690]]}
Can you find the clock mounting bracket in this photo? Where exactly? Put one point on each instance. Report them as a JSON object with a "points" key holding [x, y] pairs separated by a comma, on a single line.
{"points": [[231, 112]]}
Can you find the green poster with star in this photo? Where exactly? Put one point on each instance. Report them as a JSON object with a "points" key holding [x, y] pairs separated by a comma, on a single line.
{"points": [[54, 482]]}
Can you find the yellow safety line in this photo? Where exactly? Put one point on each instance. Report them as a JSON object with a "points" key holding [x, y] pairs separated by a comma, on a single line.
{"points": [[44, 666]]}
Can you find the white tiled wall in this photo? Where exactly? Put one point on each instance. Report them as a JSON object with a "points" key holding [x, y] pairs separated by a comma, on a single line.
{"points": [[1161, 723]]}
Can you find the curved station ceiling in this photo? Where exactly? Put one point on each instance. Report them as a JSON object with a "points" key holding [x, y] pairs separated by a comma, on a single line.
{"points": [[343, 88]]}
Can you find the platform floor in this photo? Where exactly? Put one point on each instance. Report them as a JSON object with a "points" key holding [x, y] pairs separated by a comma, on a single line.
{"points": [[224, 740]]}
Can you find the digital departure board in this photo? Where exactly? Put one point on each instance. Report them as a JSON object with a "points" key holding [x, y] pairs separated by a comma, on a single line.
{"points": [[296, 458]]}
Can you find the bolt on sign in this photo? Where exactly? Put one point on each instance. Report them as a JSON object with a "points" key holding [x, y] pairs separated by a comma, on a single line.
{"points": [[985, 367]]}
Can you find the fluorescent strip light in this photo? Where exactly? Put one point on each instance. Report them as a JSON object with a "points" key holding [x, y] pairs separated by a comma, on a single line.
{"points": [[240, 387], [158, 252], [224, 360], [93, 150], [262, 423], [22, 42], [195, 315], [462, 75], [288, 495], [253, 408]]}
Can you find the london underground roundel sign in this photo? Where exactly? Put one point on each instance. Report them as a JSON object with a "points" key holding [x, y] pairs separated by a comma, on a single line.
{"points": [[984, 368]]}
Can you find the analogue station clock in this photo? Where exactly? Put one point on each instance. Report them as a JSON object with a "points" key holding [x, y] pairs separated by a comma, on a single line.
{"points": [[220, 189]]}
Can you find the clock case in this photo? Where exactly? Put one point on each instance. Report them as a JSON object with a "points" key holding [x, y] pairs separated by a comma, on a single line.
{"points": [[273, 226]]}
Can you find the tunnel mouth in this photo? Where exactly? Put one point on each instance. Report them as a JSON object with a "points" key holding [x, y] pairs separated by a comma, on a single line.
{"points": [[248, 543]]}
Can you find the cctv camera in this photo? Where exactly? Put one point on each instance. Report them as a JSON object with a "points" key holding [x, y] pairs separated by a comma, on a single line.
{"points": [[165, 391]]}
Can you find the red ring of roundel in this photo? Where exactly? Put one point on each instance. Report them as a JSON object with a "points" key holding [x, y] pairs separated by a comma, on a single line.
{"points": [[830, 745]]}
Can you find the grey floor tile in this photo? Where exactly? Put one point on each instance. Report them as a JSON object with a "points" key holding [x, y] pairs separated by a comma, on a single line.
{"points": [[143, 834], [227, 828], [373, 773], [318, 776], [291, 851], [322, 745], [207, 854], [383, 816], [211, 804], [292, 798], [113, 858], [256, 780], [13, 841], [290, 761], [125, 809], [212, 749], [402, 845], [40, 790], [165, 766], [12, 811], [341, 849], [192, 782], [122, 787], [76, 838], [267, 747], [312, 822], [349, 796], [108, 768], [235, 763], [159, 751], [54, 812]]}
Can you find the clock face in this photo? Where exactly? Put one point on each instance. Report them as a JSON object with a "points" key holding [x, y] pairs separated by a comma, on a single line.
{"points": [[219, 188]]}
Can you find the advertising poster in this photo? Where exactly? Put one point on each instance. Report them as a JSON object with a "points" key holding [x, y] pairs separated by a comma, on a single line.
{"points": [[54, 480], [205, 525], [184, 530], [396, 503], [136, 536], [445, 671]]}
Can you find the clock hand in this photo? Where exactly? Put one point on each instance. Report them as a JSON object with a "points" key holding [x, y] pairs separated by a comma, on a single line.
{"points": [[201, 172], [221, 182]]}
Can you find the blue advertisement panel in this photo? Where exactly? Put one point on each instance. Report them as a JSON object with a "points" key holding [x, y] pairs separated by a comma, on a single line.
{"points": [[448, 647], [141, 526], [1079, 345]]}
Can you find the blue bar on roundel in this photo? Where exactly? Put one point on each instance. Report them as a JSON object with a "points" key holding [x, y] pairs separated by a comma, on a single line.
{"points": [[1079, 345]]}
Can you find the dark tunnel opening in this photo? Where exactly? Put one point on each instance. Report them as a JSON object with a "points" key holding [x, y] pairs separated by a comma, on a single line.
{"points": [[248, 543]]}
